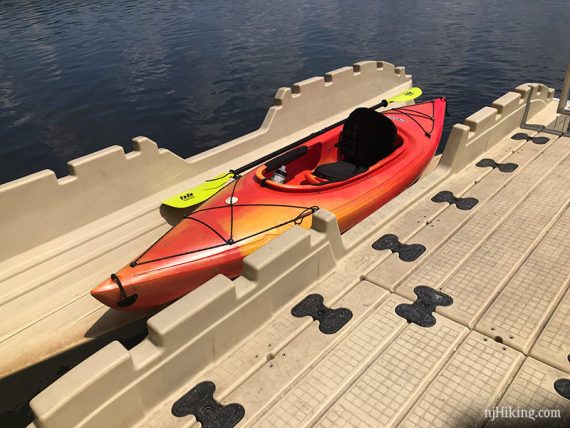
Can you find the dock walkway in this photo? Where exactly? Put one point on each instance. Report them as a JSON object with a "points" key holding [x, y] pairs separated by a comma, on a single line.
{"points": [[456, 297]]}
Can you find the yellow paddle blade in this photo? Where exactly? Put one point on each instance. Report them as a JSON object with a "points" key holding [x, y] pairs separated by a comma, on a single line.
{"points": [[200, 193], [407, 95]]}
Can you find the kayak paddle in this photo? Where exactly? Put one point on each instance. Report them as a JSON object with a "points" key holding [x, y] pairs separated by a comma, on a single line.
{"points": [[209, 188]]}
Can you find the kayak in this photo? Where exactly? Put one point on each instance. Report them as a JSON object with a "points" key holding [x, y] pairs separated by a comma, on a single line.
{"points": [[350, 170]]}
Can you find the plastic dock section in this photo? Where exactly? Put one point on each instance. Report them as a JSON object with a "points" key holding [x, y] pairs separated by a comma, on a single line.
{"points": [[450, 302], [68, 234]]}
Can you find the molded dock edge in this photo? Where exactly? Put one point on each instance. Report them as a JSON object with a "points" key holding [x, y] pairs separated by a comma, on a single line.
{"points": [[68, 234], [115, 387], [196, 330]]}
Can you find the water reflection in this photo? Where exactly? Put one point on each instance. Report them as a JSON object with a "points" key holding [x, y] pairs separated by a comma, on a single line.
{"points": [[78, 76]]}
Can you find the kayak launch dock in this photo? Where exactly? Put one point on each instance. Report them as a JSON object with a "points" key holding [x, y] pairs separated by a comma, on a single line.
{"points": [[68, 234], [486, 232], [451, 300]]}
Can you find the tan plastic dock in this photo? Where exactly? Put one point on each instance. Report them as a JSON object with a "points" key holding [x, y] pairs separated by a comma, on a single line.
{"points": [[63, 236], [503, 257]]}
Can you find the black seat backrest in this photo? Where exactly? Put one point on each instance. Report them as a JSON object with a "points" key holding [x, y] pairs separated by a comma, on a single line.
{"points": [[367, 137]]}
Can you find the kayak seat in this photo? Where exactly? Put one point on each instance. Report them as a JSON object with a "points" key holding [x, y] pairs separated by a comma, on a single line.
{"points": [[338, 171], [367, 137]]}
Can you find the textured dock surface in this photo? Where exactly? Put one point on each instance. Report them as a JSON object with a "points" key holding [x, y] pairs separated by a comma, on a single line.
{"points": [[504, 341], [498, 245]]}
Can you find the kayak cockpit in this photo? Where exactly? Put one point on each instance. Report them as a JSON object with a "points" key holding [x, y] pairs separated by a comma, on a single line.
{"points": [[367, 141]]}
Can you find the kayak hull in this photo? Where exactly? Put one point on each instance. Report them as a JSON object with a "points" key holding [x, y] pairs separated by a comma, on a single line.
{"points": [[252, 210]]}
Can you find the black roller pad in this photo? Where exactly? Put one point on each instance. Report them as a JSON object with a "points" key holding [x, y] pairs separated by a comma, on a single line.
{"points": [[461, 203], [520, 136], [540, 140], [420, 312], [199, 401], [406, 252], [503, 167], [562, 386], [535, 140], [330, 320]]}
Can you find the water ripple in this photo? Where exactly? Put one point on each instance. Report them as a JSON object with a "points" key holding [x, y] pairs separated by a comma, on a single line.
{"points": [[77, 76]]}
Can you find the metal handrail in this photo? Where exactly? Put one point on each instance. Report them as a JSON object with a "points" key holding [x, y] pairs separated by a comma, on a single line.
{"points": [[564, 94], [560, 110]]}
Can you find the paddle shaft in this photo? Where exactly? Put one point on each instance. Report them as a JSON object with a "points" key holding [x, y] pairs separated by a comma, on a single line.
{"points": [[383, 103]]}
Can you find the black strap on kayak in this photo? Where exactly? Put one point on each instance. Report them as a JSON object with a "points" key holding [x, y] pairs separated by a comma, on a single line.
{"points": [[125, 300], [297, 220], [412, 114]]}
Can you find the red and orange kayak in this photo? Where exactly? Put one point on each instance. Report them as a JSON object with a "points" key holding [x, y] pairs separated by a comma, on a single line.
{"points": [[336, 171]]}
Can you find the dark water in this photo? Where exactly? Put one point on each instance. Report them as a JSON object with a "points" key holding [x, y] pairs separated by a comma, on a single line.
{"points": [[77, 76]]}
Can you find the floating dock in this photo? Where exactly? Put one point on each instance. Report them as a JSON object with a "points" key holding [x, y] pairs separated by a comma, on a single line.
{"points": [[449, 303], [68, 234]]}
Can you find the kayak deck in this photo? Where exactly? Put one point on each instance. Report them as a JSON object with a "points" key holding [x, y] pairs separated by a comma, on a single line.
{"points": [[215, 237], [496, 239]]}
